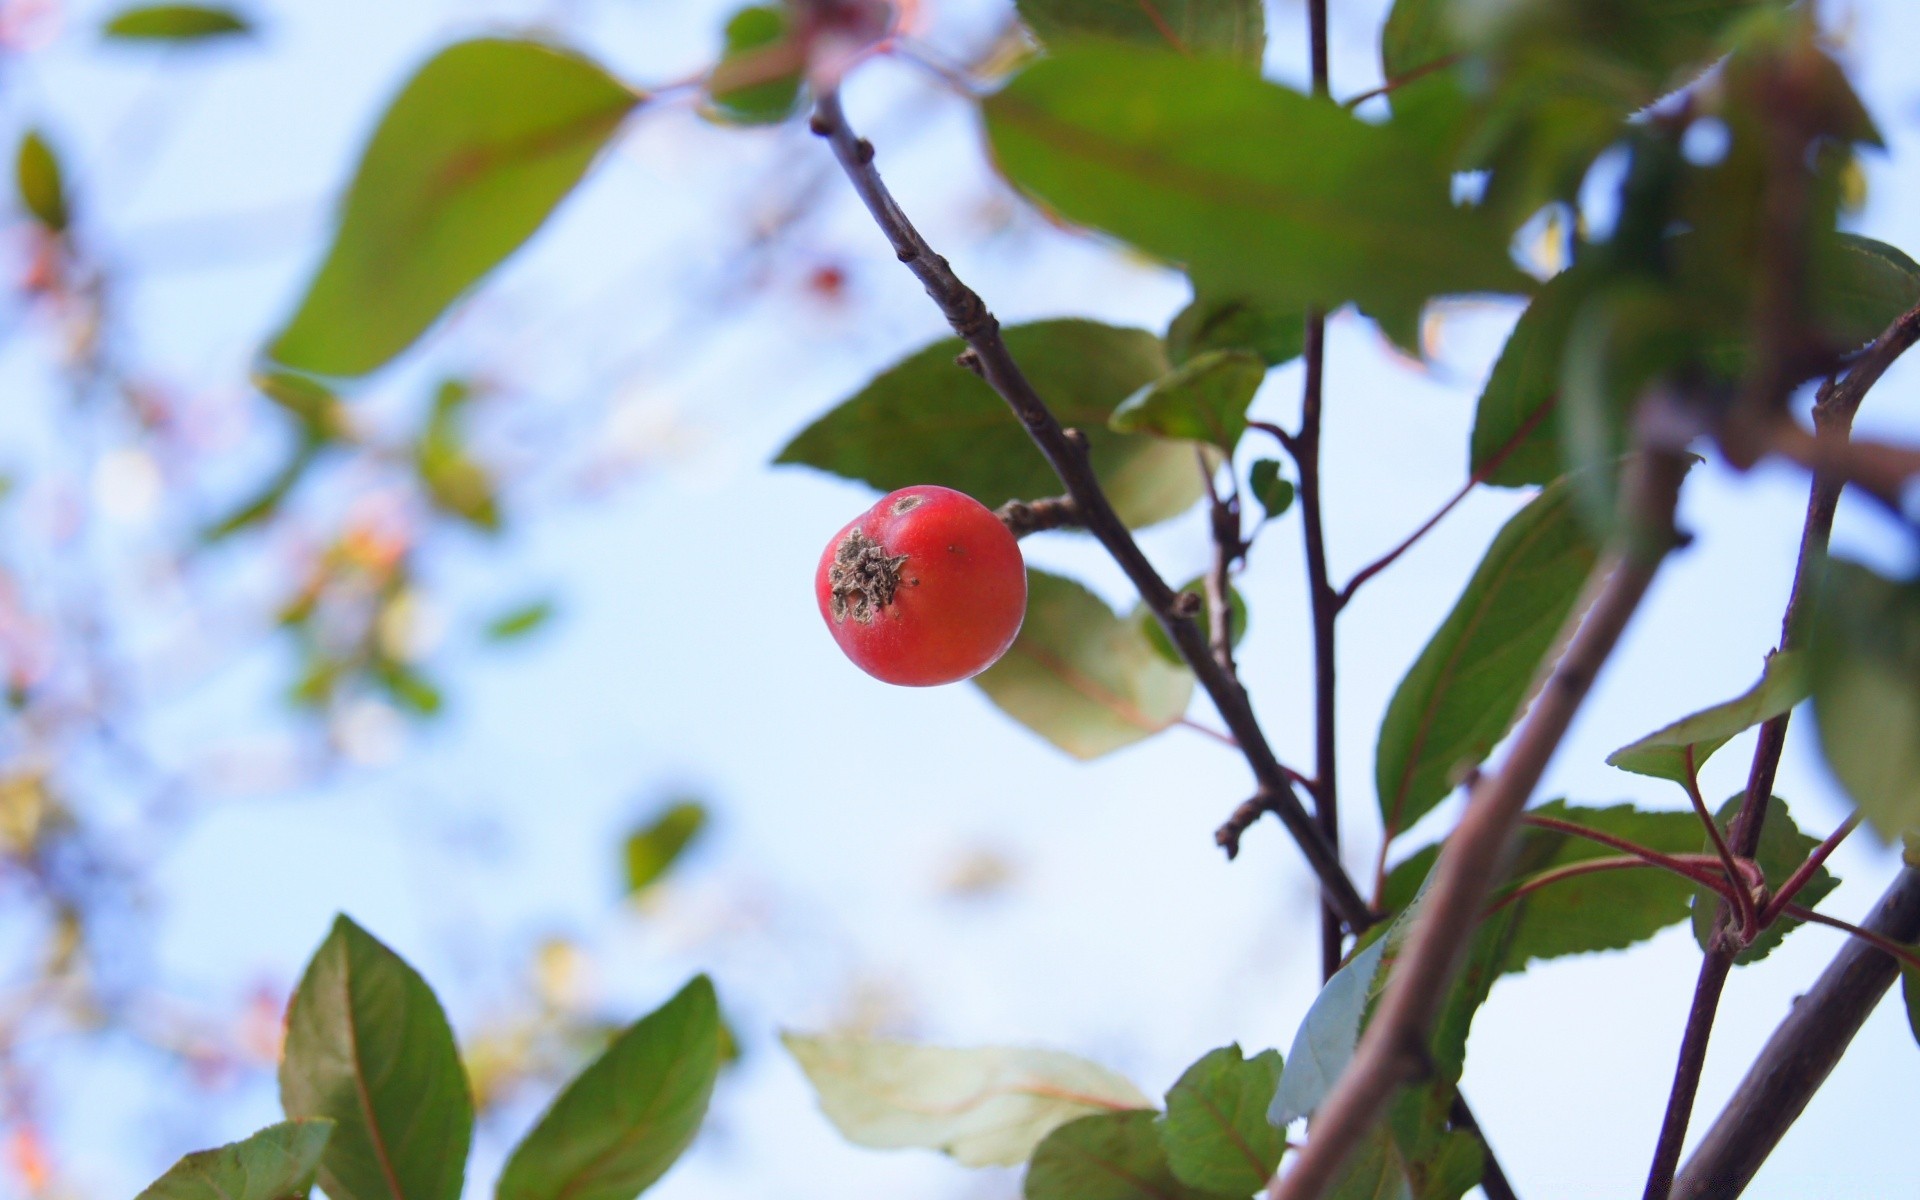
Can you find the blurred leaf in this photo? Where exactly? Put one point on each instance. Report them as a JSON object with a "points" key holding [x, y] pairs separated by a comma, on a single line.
{"points": [[456, 483], [1234, 29], [1248, 184], [1209, 324], [1781, 851], [1274, 493], [1910, 992], [267, 501], [38, 177], [1866, 691], [624, 1120], [520, 620], [653, 848], [1215, 1132], [1512, 423], [1325, 1041], [1437, 1161], [473, 155], [1861, 287], [1373, 1171], [276, 1163], [1106, 1156], [1163, 645], [1204, 400], [1477, 672], [408, 689], [1085, 679], [926, 420], [985, 1106], [313, 404], [368, 1046], [758, 79], [1662, 753], [175, 23]]}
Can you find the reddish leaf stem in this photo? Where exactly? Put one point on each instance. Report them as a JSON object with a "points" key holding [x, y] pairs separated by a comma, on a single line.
{"points": [[1703, 869], [1741, 899], [1805, 871], [1677, 863]]}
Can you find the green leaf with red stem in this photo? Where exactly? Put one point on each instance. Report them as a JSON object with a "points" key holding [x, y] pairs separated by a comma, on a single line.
{"points": [[1233, 29], [1782, 849], [1215, 1132], [1473, 679], [1662, 753]]}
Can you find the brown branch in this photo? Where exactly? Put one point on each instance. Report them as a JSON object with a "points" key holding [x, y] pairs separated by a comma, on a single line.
{"points": [[1833, 411], [970, 318], [1022, 517], [1224, 522], [1393, 1048], [1802, 1051]]}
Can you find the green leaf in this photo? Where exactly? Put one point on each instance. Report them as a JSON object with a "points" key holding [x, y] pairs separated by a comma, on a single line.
{"points": [[369, 1047], [1662, 753], [1473, 679], [175, 23], [479, 147], [758, 79], [1204, 400], [625, 1119], [1324, 1043], [985, 1106], [1866, 691], [1081, 677], [1274, 493], [1782, 849], [1515, 441], [1236, 324], [277, 1163], [1215, 1132], [653, 848], [1910, 992], [1259, 191], [1373, 1171], [1106, 1156], [926, 420], [1163, 645], [1234, 29], [1861, 287], [38, 177], [520, 620]]}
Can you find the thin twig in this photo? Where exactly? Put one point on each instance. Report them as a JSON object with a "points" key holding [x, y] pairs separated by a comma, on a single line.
{"points": [[970, 318], [1903, 953], [1741, 898], [1672, 862], [1400, 81], [1805, 871], [1223, 514], [1802, 1051], [1393, 1048], [1703, 869]]}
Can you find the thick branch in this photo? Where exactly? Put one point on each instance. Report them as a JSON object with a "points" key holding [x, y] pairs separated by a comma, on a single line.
{"points": [[1393, 1049], [1801, 1053], [969, 316]]}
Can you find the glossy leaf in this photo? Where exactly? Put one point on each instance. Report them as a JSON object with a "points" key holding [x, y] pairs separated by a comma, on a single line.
{"points": [[653, 848], [985, 1106], [1235, 324], [623, 1121], [175, 23], [40, 182], [1866, 691], [926, 420], [277, 1163], [1203, 400], [1274, 493], [1662, 753], [1259, 191], [1084, 678], [1234, 29], [468, 162], [368, 1047], [1215, 1131], [758, 79], [1782, 849], [1473, 679], [1106, 1156]]}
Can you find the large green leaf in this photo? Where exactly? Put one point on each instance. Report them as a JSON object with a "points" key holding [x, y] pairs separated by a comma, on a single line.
{"points": [[1470, 683], [277, 1163], [1204, 399], [625, 1119], [652, 849], [1663, 753], [926, 420], [1215, 1132], [1209, 323], [472, 156], [369, 1048], [1781, 851], [1515, 440], [1261, 192], [1866, 691], [1234, 29], [1106, 1156], [175, 23], [986, 1106], [1083, 677]]}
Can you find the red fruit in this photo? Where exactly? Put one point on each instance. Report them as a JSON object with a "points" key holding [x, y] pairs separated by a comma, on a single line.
{"points": [[925, 587]]}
